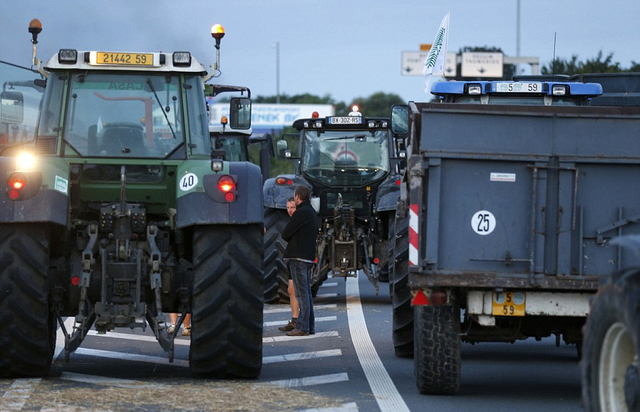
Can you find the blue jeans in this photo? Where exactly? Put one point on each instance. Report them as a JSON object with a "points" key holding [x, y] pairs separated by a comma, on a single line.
{"points": [[301, 275]]}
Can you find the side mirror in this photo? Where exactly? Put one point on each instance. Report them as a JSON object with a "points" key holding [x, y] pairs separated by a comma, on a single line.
{"points": [[240, 113], [283, 148], [11, 107], [400, 119]]}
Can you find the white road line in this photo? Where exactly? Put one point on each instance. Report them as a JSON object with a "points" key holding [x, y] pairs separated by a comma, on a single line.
{"points": [[324, 296], [301, 356], [284, 322], [285, 338], [347, 407], [18, 393], [103, 380], [382, 386], [142, 338], [330, 284], [131, 357], [185, 363], [288, 309], [310, 380]]}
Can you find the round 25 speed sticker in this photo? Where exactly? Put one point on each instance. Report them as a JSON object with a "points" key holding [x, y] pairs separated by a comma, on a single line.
{"points": [[483, 222]]}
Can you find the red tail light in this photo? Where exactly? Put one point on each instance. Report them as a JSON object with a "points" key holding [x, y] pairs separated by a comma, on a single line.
{"points": [[284, 182], [17, 182], [227, 185]]}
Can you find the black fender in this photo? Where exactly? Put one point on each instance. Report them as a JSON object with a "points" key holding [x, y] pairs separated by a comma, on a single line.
{"points": [[208, 207], [275, 195], [44, 206], [388, 195]]}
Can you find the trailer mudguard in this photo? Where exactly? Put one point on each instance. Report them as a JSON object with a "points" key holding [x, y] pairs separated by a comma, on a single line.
{"points": [[275, 196], [208, 207], [388, 195]]}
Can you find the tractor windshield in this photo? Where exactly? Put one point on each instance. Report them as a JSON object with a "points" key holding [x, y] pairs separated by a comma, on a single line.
{"points": [[126, 115], [19, 104], [345, 157]]}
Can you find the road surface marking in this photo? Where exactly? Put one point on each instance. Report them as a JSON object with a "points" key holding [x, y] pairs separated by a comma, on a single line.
{"points": [[347, 407], [280, 309], [18, 393], [310, 380], [103, 380], [285, 338], [301, 356], [382, 386], [325, 295], [284, 322], [131, 357], [330, 284]]}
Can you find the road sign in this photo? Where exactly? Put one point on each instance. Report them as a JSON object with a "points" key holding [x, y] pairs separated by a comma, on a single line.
{"points": [[413, 63], [476, 64]]}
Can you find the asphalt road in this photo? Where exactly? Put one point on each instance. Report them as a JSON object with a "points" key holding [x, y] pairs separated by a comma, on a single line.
{"points": [[347, 366]]}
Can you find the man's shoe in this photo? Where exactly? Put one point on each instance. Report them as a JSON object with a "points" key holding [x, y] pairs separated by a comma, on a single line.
{"points": [[312, 332], [297, 332], [288, 327]]}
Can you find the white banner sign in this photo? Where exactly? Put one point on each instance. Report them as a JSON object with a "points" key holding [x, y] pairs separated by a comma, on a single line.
{"points": [[272, 115]]}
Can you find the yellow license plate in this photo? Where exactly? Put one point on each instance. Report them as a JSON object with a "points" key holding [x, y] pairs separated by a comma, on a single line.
{"points": [[508, 303], [124, 59]]}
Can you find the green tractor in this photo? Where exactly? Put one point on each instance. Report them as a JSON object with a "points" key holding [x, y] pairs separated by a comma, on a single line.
{"points": [[118, 211]]}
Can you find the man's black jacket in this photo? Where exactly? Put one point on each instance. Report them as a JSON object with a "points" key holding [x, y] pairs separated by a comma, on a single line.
{"points": [[301, 233]]}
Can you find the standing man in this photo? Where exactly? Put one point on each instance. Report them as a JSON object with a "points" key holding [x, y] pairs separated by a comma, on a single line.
{"points": [[301, 233], [291, 208]]}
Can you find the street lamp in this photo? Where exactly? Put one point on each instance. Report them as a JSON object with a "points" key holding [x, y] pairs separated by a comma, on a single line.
{"points": [[277, 72]]}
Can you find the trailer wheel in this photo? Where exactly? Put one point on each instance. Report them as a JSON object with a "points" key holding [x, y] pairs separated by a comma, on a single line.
{"points": [[609, 365], [27, 326], [276, 279], [437, 349], [401, 294], [227, 302]]}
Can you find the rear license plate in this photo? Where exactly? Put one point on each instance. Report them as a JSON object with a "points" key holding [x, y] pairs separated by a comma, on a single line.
{"points": [[508, 303], [124, 59]]}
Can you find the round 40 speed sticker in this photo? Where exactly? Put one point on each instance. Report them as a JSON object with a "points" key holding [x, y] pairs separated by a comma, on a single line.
{"points": [[188, 182], [483, 222]]}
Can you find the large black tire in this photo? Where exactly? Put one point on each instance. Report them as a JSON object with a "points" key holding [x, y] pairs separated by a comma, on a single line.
{"points": [[227, 302], [385, 269], [276, 277], [400, 293], [610, 377], [391, 252], [437, 349], [27, 325]]}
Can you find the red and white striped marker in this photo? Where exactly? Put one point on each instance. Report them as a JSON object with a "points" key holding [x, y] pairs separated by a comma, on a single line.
{"points": [[413, 234]]}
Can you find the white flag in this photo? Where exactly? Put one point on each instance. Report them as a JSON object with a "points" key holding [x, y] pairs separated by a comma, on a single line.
{"points": [[434, 63]]}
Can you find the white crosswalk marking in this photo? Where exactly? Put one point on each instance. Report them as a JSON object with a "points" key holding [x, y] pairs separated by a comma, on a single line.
{"points": [[310, 380], [284, 322], [281, 309], [103, 380], [347, 407], [18, 393], [286, 338]]}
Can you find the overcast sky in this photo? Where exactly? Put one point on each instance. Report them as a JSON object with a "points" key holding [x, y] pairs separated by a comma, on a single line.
{"points": [[345, 49]]}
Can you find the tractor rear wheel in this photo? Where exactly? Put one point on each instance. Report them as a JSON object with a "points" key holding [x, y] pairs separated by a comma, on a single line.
{"points": [[401, 294], [227, 301], [276, 274], [27, 325]]}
